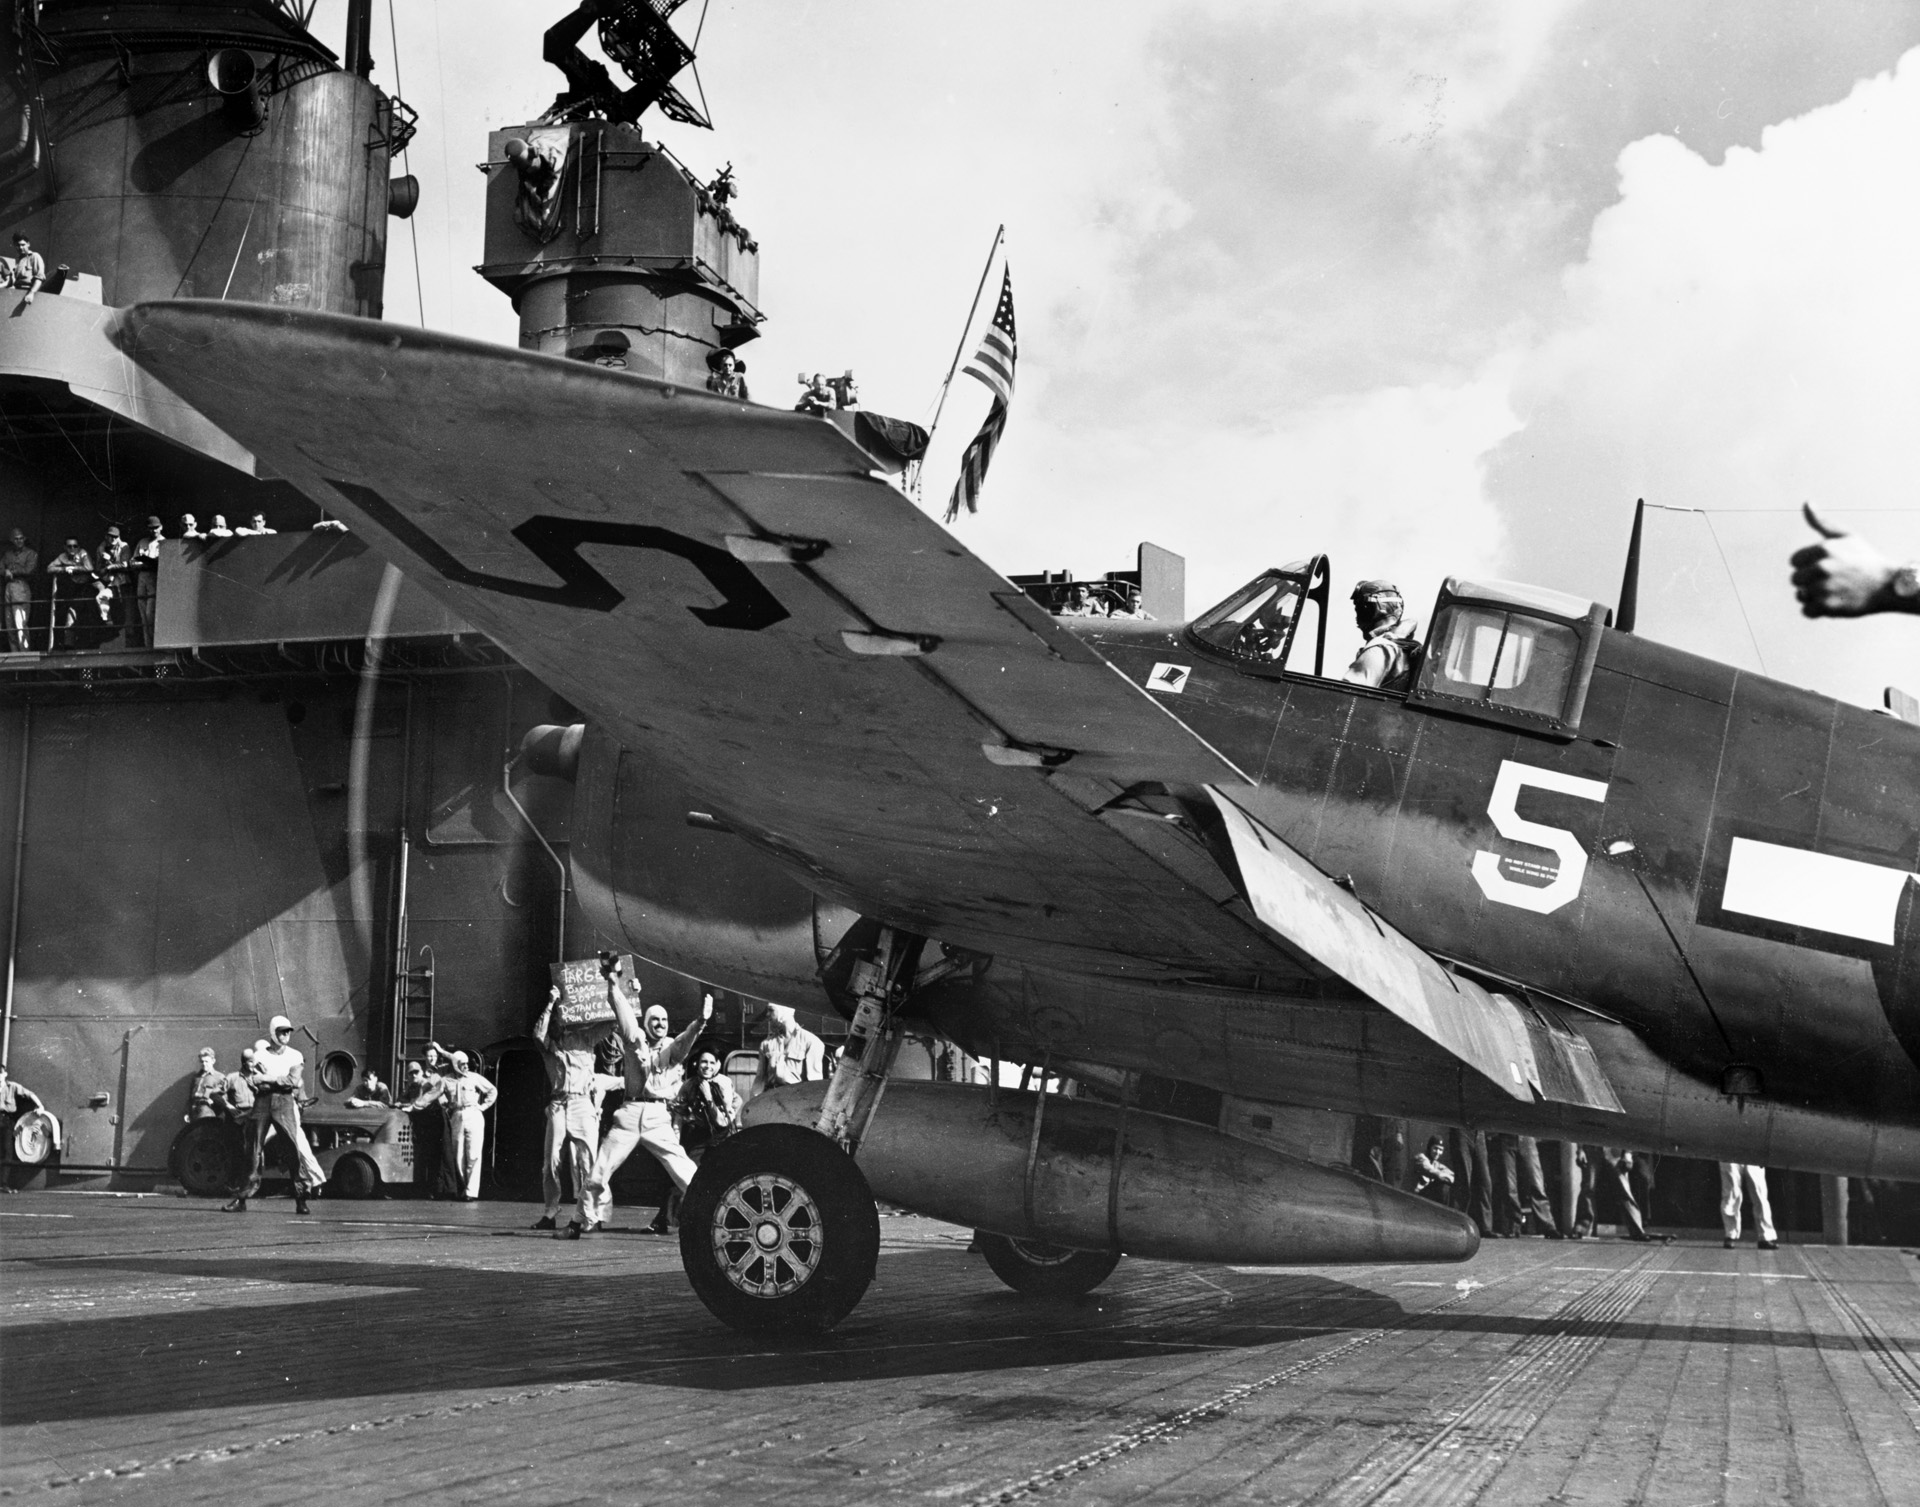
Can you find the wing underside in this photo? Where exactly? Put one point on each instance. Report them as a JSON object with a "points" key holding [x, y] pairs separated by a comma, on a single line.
{"points": [[851, 688]]}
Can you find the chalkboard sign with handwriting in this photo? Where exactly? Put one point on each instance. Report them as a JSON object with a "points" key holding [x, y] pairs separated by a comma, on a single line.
{"points": [[583, 991]]}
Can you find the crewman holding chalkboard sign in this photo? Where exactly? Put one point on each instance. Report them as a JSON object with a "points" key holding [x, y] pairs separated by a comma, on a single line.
{"points": [[653, 1076], [583, 989], [574, 1091]]}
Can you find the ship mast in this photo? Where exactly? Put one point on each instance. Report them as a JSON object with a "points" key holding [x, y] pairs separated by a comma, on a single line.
{"points": [[611, 250]]}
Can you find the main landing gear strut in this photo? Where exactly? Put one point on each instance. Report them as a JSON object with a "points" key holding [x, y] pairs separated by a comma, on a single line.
{"points": [[779, 1232]]}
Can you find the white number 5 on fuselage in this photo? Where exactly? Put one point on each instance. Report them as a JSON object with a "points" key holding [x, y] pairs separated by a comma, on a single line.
{"points": [[1571, 868]]}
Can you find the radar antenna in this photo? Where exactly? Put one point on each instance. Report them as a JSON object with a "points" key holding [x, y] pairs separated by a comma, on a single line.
{"points": [[635, 34]]}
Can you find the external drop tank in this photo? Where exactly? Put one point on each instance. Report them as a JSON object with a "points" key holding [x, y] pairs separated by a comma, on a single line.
{"points": [[1099, 1177]]}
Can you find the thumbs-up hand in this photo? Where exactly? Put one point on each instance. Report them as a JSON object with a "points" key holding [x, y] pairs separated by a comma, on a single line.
{"points": [[1843, 575]]}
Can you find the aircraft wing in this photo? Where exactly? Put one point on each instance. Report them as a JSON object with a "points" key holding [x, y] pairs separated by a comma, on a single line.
{"points": [[853, 690]]}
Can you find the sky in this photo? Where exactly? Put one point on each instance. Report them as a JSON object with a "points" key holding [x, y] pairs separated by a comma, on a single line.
{"points": [[1436, 287]]}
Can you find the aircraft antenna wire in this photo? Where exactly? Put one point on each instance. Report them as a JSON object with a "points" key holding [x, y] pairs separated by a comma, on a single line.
{"points": [[1706, 515], [1739, 601], [1687, 963]]}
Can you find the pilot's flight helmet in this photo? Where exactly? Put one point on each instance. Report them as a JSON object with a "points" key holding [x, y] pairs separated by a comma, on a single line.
{"points": [[1376, 604]]}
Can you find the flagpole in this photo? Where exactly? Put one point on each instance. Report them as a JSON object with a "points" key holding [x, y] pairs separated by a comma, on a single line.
{"points": [[960, 349]]}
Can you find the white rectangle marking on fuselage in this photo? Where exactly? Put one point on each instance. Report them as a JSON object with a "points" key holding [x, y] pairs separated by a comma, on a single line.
{"points": [[1801, 888]]}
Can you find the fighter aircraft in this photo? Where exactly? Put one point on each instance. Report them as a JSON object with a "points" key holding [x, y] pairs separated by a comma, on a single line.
{"points": [[1572, 883]]}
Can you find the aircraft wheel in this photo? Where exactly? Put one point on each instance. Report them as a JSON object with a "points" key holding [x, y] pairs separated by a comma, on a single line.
{"points": [[354, 1176], [206, 1158], [779, 1233], [1045, 1271]]}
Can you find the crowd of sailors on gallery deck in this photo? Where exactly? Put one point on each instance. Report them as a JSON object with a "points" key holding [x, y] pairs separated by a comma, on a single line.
{"points": [[105, 595]]}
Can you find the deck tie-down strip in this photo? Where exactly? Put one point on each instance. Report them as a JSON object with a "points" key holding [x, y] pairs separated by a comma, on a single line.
{"points": [[1892, 1355], [1452, 1458], [1168, 1428], [220, 1452]]}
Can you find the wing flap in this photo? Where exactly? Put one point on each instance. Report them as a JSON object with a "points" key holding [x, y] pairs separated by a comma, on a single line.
{"points": [[1032, 682], [1307, 910], [1569, 1071]]}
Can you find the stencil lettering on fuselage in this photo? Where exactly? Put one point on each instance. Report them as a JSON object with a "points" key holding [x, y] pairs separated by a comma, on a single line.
{"points": [[1565, 875]]}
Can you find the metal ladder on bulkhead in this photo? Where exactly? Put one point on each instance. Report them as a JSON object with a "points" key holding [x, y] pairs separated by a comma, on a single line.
{"points": [[413, 1010]]}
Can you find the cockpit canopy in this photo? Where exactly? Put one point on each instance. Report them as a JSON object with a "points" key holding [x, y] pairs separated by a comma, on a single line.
{"points": [[1498, 651], [1260, 621], [1503, 652]]}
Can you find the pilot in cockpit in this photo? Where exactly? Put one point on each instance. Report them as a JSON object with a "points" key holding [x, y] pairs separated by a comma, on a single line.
{"points": [[1387, 657]]}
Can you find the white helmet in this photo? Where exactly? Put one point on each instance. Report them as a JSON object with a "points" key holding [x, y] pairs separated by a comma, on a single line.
{"points": [[278, 1024]]}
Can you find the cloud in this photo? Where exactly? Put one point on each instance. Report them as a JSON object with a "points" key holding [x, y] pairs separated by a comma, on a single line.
{"points": [[1352, 204], [1297, 277], [1389, 482], [1739, 337]]}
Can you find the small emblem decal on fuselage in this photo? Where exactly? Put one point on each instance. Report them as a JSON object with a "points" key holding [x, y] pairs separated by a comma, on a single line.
{"points": [[1171, 679]]}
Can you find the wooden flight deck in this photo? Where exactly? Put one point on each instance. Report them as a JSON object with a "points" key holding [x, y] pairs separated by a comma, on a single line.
{"points": [[157, 1350]]}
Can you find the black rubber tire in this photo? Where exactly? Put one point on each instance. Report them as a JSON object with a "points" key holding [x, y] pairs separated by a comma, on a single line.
{"points": [[206, 1158], [354, 1176], [1045, 1271], [821, 1213]]}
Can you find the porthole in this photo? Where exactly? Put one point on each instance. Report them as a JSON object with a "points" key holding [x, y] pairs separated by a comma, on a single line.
{"points": [[337, 1070]]}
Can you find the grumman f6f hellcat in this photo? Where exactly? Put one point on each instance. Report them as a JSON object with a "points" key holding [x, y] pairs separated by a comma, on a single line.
{"points": [[1569, 883]]}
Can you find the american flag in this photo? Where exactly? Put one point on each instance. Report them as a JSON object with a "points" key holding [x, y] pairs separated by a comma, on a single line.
{"points": [[992, 364]]}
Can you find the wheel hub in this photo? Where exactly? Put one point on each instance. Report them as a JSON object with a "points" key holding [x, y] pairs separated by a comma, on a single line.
{"points": [[767, 1235]]}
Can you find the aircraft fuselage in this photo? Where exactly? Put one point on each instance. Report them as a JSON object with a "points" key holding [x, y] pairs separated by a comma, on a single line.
{"points": [[1617, 895]]}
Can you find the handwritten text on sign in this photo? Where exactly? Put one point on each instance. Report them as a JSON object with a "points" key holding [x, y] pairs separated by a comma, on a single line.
{"points": [[584, 991]]}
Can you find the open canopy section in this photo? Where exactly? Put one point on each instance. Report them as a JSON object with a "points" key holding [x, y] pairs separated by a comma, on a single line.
{"points": [[1261, 622]]}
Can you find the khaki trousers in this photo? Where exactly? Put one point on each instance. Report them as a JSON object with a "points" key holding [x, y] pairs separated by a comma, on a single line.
{"points": [[469, 1140], [283, 1111], [573, 1125], [1731, 1174], [647, 1124]]}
